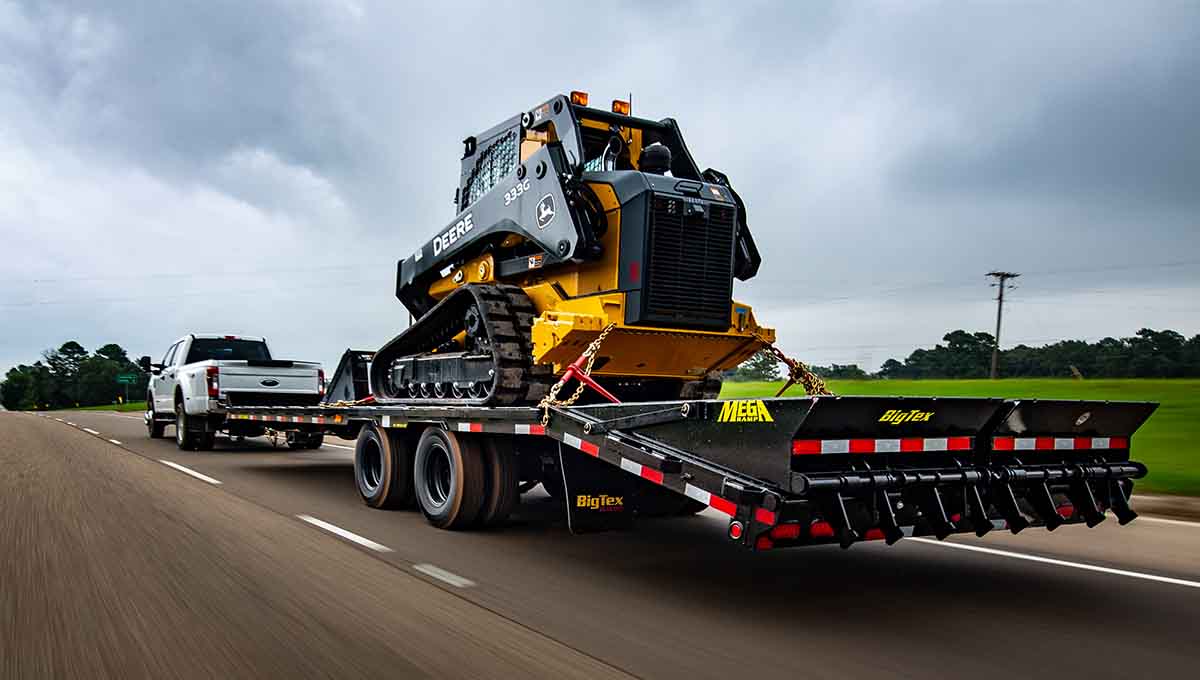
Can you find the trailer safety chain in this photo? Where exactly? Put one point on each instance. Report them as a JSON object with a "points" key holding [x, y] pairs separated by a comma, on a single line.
{"points": [[582, 373], [798, 372]]}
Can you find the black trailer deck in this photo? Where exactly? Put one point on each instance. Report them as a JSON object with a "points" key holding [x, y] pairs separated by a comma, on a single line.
{"points": [[792, 471]]}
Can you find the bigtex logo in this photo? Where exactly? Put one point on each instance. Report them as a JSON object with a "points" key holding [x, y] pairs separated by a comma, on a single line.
{"points": [[602, 502], [745, 411], [897, 417]]}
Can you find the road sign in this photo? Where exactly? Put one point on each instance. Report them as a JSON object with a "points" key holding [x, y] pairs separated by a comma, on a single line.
{"points": [[127, 379]]}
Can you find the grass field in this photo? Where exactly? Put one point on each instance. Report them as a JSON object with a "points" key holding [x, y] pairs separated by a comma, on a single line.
{"points": [[131, 406], [1169, 443]]}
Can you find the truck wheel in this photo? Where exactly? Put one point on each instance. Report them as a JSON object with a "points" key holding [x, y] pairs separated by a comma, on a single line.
{"points": [[185, 438], [501, 481], [383, 468], [205, 441], [449, 478], [154, 427]]}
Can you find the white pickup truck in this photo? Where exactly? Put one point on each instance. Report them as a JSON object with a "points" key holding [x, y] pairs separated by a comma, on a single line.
{"points": [[202, 374]]}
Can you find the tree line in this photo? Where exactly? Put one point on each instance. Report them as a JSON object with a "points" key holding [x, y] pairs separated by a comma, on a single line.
{"points": [[1148, 354], [70, 376]]}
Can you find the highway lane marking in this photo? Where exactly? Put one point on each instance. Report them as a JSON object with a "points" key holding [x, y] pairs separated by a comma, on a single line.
{"points": [[189, 471], [1060, 563], [1164, 520], [348, 535], [91, 431], [116, 442], [339, 446], [444, 576], [72, 424], [60, 420]]}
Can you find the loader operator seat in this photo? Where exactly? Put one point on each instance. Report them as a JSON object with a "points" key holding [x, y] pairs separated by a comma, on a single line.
{"points": [[656, 159]]}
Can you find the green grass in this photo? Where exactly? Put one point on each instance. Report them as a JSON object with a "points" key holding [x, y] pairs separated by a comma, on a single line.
{"points": [[1169, 443], [131, 406]]}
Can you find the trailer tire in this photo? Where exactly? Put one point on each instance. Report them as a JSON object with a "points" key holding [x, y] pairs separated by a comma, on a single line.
{"points": [[449, 477], [185, 437], [502, 481], [383, 468]]}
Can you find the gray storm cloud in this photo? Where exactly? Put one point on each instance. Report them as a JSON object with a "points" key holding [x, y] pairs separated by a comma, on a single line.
{"points": [[259, 167]]}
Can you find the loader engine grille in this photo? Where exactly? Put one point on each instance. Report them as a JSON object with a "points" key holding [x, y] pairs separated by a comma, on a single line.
{"points": [[689, 263]]}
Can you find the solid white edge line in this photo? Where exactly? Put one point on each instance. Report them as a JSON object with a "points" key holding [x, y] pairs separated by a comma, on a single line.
{"points": [[444, 576], [116, 442], [1164, 520], [189, 471], [339, 446], [349, 536], [1060, 563], [91, 431]]}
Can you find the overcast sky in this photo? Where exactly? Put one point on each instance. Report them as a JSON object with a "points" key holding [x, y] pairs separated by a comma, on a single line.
{"points": [[258, 167]]}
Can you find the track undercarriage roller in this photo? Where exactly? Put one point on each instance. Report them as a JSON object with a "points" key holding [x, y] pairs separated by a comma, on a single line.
{"points": [[383, 468]]}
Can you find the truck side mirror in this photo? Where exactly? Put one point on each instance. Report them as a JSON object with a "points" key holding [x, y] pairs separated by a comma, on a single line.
{"points": [[144, 364]]}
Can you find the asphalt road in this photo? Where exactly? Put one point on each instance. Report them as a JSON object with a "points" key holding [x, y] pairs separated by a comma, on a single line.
{"points": [[114, 563]]}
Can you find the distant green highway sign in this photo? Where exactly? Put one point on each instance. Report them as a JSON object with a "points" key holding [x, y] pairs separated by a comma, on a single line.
{"points": [[127, 379]]}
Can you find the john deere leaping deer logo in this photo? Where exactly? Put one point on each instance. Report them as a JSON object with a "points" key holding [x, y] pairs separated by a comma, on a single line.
{"points": [[545, 211]]}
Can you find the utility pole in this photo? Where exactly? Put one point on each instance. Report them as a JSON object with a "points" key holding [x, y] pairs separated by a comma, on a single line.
{"points": [[1001, 281]]}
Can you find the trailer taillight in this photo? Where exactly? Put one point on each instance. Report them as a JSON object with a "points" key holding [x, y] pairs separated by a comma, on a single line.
{"points": [[821, 530], [321, 381], [786, 532], [213, 378]]}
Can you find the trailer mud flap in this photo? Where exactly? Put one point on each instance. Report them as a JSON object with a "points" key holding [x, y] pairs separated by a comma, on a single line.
{"points": [[598, 496]]}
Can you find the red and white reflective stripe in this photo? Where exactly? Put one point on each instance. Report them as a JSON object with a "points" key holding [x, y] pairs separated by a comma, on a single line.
{"points": [[1058, 443], [641, 470], [581, 444], [470, 427], [802, 447], [521, 428], [712, 501]]}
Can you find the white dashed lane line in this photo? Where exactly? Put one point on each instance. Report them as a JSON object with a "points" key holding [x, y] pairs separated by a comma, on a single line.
{"points": [[348, 535], [189, 471], [444, 576], [116, 442], [339, 446], [1059, 563], [91, 431]]}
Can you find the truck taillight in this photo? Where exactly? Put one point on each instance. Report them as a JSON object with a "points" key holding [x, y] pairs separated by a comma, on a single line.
{"points": [[321, 381], [213, 378]]}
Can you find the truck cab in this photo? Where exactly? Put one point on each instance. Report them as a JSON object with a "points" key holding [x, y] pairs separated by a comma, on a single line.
{"points": [[200, 375]]}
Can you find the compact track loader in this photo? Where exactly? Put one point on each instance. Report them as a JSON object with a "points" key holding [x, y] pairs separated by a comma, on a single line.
{"points": [[571, 220]]}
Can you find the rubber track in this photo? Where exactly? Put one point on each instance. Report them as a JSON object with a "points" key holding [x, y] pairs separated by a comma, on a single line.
{"points": [[508, 314]]}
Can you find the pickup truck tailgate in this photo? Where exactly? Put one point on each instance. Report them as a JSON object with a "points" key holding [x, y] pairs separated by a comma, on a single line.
{"points": [[245, 377]]}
